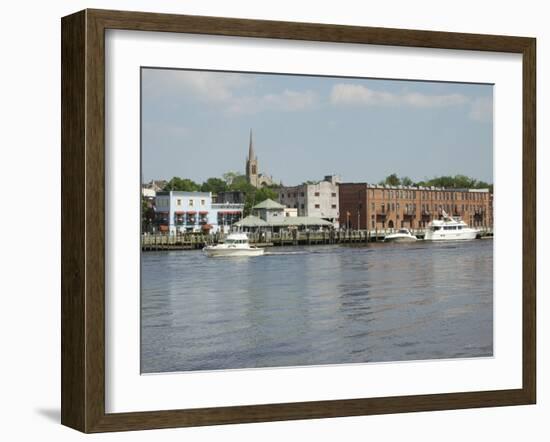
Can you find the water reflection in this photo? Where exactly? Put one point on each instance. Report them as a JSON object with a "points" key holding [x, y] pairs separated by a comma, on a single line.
{"points": [[316, 305]]}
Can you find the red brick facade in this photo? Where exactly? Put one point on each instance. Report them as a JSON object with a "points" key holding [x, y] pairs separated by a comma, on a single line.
{"points": [[379, 207]]}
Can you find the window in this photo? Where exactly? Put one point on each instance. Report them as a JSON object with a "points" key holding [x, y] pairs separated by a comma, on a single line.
{"points": [[178, 202], [302, 206], [191, 203], [316, 193], [302, 194], [203, 202], [334, 206], [317, 206], [334, 194]]}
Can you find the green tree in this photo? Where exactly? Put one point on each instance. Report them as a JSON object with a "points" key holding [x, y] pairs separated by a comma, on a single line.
{"points": [[214, 185], [391, 180], [456, 182], [256, 196], [240, 183], [230, 176], [147, 214], [182, 184], [406, 181]]}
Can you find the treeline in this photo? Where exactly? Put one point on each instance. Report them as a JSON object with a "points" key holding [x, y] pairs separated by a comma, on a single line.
{"points": [[447, 181], [231, 181]]}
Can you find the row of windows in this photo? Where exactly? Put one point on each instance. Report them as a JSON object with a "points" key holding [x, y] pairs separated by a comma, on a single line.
{"points": [[317, 206], [179, 202], [391, 207], [427, 195], [302, 194], [164, 202]]}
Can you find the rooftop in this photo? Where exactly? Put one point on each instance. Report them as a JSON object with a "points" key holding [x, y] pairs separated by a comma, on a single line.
{"points": [[269, 204], [251, 221], [184, 193], [401, 187]]}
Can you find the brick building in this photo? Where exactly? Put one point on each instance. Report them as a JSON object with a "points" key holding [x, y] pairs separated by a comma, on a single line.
{"points": [[379, 207]]}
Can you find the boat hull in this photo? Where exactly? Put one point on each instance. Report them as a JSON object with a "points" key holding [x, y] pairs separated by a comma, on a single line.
{"points": [[451, 236], [401, 239], [215, 252]]}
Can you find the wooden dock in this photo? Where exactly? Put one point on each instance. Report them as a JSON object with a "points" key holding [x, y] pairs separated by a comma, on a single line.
{"points": [[191, 241]]}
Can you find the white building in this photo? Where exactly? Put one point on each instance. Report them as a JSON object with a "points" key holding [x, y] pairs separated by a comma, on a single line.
{"points": [[180, 212], [319, 200]]}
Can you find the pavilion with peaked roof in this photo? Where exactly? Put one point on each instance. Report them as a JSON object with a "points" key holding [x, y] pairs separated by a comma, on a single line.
{"points": [[269, 210], [270, 215], [251, 223]]}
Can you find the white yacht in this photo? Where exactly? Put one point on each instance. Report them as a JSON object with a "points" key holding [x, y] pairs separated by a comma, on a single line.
{"points": [[449, 229], [236, 244], [402, 235]]}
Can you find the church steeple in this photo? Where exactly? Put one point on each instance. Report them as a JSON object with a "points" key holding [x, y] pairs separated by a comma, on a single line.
{"points": [[252, 164], [251, 154]]}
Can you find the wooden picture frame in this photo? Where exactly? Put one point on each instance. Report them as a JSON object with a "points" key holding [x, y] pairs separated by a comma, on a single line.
{"points": [[83, 220]]}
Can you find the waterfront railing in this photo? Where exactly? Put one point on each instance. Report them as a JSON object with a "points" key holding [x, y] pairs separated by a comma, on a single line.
{"points": [[166, 241]]}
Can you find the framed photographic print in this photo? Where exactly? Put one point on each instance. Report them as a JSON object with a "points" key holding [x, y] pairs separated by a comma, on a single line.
{"points": [[270, 220]]}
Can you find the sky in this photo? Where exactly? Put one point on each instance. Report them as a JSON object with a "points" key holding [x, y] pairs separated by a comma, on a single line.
{"points": [[196, 124]]}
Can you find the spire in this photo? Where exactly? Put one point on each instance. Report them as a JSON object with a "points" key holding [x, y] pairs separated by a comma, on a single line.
{"points": [[251, 155]]}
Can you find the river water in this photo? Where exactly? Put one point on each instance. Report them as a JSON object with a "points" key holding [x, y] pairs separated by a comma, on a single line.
{"points": [[317, 305]]}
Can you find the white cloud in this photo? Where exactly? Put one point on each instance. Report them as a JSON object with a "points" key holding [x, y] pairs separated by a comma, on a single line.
{"points": [[351, 94], [482, 109], [231, 92], [286, 101], [291, 100], [208, 86]]}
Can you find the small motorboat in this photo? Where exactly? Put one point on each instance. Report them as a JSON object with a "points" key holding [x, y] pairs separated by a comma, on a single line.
{"points": [[402, 235], [236, 244]]}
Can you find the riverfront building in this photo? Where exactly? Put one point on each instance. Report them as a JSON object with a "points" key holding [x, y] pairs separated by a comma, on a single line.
{"points": [[320, 200], [378, 207], [179, 212]]}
